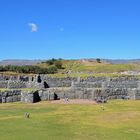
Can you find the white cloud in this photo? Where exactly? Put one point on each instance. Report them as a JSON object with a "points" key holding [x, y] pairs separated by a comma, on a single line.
{"points": [[61, 29], [33, 26]]}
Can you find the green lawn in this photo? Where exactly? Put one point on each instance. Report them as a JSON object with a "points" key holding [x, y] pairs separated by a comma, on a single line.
{"points": [[119, 121]]}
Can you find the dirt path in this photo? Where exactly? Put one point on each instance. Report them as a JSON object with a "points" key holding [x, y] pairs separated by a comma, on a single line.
{"points": [[73, 101]]}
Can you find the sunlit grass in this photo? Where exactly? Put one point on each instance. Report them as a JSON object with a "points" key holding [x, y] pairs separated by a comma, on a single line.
{"points": [[120, 120]]}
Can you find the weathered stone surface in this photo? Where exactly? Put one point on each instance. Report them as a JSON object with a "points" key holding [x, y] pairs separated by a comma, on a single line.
{"points": [[3, 84], [73, 88], [10, 96], [17, 84], [27, 97], [30, 97]]}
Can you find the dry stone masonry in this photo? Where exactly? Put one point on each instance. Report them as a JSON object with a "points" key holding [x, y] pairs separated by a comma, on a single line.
{"points": [[42, 88]]}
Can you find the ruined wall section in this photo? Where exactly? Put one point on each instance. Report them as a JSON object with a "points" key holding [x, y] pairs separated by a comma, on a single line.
{"points": [[43, 81], [73, 88], [10, 96]]}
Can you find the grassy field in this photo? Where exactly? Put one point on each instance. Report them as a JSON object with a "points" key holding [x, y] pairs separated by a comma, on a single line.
{"points": [[119, 121]]}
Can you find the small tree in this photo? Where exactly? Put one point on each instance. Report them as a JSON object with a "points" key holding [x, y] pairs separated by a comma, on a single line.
{"points": [[51, 61], [98, 60]]}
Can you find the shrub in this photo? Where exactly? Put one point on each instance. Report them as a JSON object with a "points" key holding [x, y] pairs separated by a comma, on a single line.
{"points": [[28, 69], [51, 61], [52, 70], [58, 64]]}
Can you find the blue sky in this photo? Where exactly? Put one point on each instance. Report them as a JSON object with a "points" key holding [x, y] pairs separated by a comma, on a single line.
{"points": [[43, 29]]}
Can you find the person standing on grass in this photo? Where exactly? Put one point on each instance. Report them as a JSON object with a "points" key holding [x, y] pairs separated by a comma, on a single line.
{"points": [[66, 98], [27, 115]]}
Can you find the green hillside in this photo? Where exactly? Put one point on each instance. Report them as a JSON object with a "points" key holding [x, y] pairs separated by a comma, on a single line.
{"points": [[62, 68], [82, 67]]}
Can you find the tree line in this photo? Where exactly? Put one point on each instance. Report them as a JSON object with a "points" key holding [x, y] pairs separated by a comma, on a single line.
{"points": [[29, 69], [52, 68]]}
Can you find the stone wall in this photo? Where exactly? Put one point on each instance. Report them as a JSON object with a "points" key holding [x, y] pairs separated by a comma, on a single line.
{"points": [[15, 82], [92, 82], [30, 96], [89, 93], [10, 96], [82, 93], [73, 88], [71, 93], [59, 82], [3, 84]]}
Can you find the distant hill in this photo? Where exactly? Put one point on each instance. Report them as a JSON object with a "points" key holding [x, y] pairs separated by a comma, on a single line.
{"points": [[19, 62], [122, 61], [116, 61], [90, 61]]}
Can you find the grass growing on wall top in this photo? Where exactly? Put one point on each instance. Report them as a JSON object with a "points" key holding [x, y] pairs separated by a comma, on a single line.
{"points": [[23, 89]]}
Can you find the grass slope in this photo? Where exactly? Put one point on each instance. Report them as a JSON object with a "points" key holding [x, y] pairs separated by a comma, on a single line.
{"points": [[119, 121], [85, 68], [93, 66]]}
